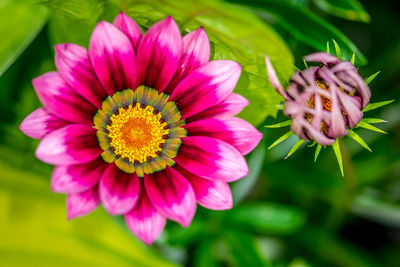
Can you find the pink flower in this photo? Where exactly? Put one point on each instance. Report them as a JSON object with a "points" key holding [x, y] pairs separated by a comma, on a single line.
{"points": [[323, 102], [142, 124]]}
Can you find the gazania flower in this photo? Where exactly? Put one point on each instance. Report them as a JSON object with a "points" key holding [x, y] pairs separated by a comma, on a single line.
{"points": [[325, 102], [142, 124]]}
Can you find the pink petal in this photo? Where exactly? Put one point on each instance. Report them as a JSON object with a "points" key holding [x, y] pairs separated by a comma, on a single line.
{"points": [[72, 144], [237, 132], [83, 203], [323, 57], [215, 195], [70, 179], [211, 159], [143, 220], [119, 191], [196, 52], [159, 53], [273, 79], [113, 58], [73, 64], [172, 195], [206, 86], [231, 106], [61, 100], [40, 122], [129, 27]]}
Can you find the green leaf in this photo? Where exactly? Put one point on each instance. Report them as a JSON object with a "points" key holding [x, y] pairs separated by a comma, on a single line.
{"points": [[363, 124], [234, 33], [20, 22], [280, 124], [317, 151], [337, 49], [338, 154], [243, 250], [270, 218], [243, 187], [204, 255], [295, 147], [372, 77], [359, 140], [35, 231], [281, 139], [372, 106], [348, 9], [305, 26]]}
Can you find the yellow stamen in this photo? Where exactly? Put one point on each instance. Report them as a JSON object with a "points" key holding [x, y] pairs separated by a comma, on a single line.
{"points": [[136, 133]]}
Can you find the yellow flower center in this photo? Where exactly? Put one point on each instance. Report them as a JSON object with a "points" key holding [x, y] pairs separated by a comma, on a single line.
{"points": [[137, 133]]}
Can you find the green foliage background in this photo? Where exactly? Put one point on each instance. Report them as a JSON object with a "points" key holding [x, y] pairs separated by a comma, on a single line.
{"points": [[287, 212]]}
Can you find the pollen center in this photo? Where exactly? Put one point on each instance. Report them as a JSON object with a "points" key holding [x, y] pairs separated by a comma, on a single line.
{"points": [[137, 133]]}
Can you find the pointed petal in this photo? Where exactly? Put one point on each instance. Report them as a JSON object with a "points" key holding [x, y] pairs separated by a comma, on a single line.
{"points": [[61, 100], [83, 203], [211, 159], [196, 52], [172, 195], [113, 58], [119, 191], [69, 179], [206, 86], [273, 79], [237, 132], [231, 106], [73, 64], [323, 57], [144, 220], [40, 123], [72, 144], [215, 195], [159, 53], [129, 27]]}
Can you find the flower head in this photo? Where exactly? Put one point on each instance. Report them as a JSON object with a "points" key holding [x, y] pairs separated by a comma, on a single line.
{"points": [[325, 102], [142, 124]]}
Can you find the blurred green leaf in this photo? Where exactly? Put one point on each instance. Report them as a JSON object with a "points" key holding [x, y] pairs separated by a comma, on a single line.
{"points": [[243, 187], [235, 34], [20, 23], [204, 255], [35, 232], [348, 9], [243, 249], [267, 218], [304, 25]]}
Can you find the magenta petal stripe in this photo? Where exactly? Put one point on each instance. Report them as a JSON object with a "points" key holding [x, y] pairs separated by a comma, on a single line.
{"points": [[144, 220], [196, 52], [119, 191], [73, 64], [229, 107], [215, 195], [83, 203], [172, 195], [206, 86], [159, 53], [61, 100], [72, 144], [211, 159], [70, 179], [130, 28], [40, 122], [237, 132], [113, 58]]}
